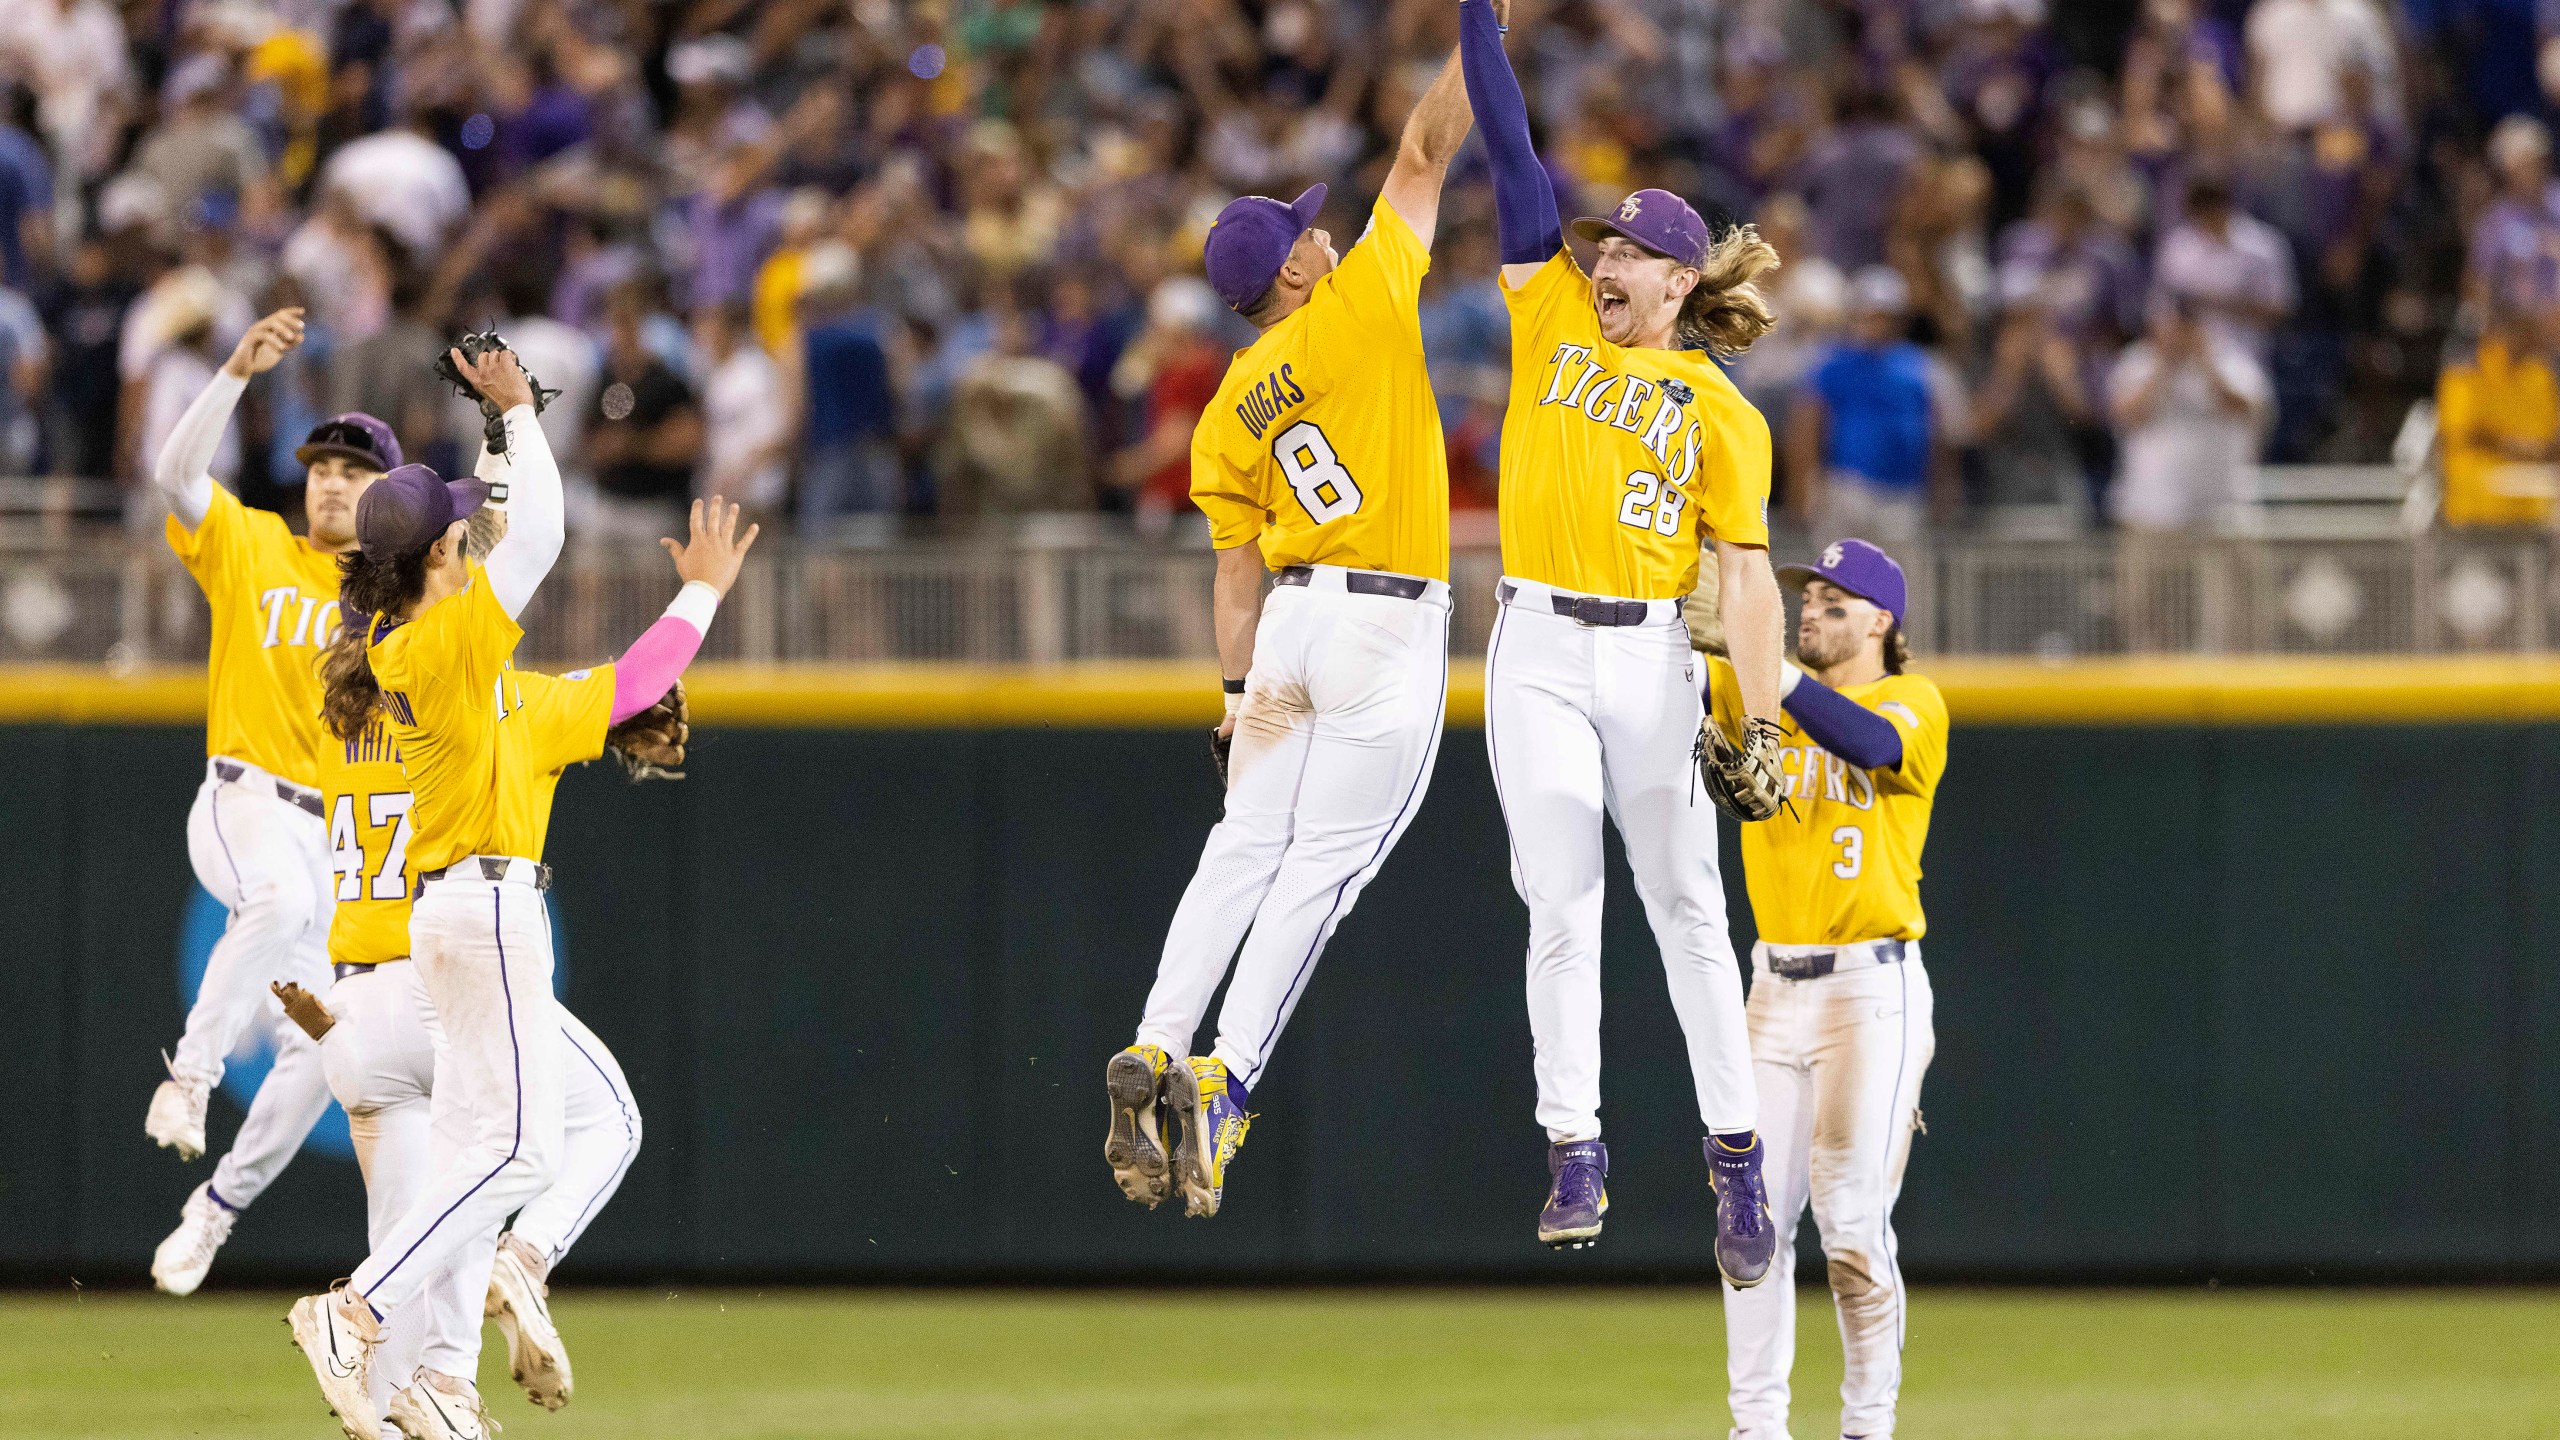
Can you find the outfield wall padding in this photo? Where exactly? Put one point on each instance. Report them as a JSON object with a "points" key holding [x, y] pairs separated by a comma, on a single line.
{"points": [[2212, 1000]]}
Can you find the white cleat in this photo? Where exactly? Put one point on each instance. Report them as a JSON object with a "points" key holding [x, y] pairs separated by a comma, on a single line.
{"points": [[176, 1117], [179, 1264], [520, 1303], [437, 1406], [337, 1333]]}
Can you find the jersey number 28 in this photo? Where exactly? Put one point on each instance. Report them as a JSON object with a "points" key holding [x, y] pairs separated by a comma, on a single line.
{"points": [[346, 847], [1323, 484], [1651, 505]]}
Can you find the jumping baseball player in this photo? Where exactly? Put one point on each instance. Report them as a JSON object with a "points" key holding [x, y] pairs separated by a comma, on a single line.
{"points": [[1840, 1005], [1625, 450], [255, 835], [439, 635], [377, 1033], [1321, 459]]}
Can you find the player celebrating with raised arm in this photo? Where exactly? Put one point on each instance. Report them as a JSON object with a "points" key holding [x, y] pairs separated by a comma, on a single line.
{"points": [[376, 1034], [255, 835], [1840, 1006], [1624, 449], [1321, 459]]}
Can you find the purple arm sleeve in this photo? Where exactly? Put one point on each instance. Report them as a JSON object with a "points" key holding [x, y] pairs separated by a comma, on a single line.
{"points": [[1524, 202], [648, 670], [1844, 727]]}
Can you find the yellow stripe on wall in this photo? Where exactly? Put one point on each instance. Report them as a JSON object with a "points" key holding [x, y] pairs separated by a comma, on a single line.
{"points": [[2182, 691]]}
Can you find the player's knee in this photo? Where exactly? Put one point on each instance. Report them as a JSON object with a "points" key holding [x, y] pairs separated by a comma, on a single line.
{"points": [[1857, 1268]]}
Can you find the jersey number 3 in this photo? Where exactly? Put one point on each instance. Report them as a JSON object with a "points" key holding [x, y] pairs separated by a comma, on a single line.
{"points": [[1324, 486], [346, 847], [1651, 505]]}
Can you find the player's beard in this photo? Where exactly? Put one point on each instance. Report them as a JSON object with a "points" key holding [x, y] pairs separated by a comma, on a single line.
{"points": [[1823, 649]]}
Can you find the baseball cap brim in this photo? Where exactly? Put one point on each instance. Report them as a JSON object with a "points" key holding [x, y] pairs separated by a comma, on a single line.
{"points": [[311, 454], [1308, 206], [469, 494], [1795, 577], [1595, 229]]}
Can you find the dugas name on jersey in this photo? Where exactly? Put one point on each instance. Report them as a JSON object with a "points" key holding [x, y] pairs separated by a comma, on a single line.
{"points": [[1605, 397], [1269, 398]]}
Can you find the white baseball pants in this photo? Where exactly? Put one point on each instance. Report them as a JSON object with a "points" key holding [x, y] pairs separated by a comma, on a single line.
{"points": [[1839, 1060], [381, 1058], [1582, 720], [482, 949], [1333, 749], [267, 862]]}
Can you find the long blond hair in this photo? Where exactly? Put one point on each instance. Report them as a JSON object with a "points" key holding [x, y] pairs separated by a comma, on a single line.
{"points": [[1726, 312]]}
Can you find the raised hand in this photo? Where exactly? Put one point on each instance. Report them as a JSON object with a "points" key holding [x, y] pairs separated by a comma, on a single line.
{"points": [[267, 342], [717, 551], [498, 375]]}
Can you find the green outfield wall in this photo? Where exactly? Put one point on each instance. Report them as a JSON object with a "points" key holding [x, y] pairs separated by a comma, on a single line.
{"points": [[2215, 997]]}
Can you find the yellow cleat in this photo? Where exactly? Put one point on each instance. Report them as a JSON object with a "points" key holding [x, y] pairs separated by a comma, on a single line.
{"points": [[1210, 1104]]}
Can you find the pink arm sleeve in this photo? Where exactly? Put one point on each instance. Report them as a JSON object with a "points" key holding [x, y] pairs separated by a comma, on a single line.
{"points": [[649, 668]]}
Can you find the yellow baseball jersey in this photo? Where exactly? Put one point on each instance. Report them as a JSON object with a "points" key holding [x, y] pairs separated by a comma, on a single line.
{"points": [[1845, 866], [275, 608], [1324, 440], [482, 781], [1619, 465], [367, 798]]}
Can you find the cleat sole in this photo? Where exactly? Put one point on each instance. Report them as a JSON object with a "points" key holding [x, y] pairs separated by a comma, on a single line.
{"points": [[1135, 1146], [1190, 1161]]}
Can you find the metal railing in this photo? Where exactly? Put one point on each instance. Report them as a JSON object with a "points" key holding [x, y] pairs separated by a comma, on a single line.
{"points": [[104, 599]]}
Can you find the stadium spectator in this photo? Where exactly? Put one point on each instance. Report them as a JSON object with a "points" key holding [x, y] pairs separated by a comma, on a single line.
{"points": [[2301, 51], [403, 181], [2189, 403], [25, 359], [643, 437], [849, 458], [1174, 368], [2498, 420], [202, 147], [1016, 442], [26, 191], [1869, 437], [2515, 246], [746, 414], [2029, 409], [380, 373], [2233, 270]]}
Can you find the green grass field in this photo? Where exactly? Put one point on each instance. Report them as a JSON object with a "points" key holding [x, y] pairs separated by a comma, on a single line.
{"points": [[725, 1365]]}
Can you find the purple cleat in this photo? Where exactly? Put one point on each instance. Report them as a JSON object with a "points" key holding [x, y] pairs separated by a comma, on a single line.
{"points": [[1579, 1196], [1746, 1238]]}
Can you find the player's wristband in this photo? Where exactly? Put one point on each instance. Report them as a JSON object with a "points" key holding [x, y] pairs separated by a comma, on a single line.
{"points": [[1788, 675]]}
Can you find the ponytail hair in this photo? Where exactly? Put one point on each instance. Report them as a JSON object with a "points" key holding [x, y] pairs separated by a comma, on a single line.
{"points": [[367, 588], [1726, 312], [1897, 649]]}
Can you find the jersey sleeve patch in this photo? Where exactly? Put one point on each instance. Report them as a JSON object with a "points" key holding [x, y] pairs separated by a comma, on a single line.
{"points": [[1899, 711]]}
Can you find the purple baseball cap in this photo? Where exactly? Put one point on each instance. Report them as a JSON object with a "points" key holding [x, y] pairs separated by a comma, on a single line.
{"points": [[1655, 219], [1857, 567], [355, 435], [1251, 239], [408, 508]]}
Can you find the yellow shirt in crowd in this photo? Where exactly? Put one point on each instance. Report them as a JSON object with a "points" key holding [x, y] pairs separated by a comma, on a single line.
{"points": [[1618, 465], [1324, 440], [2490, 395], [275, 608], [1844, 866]]}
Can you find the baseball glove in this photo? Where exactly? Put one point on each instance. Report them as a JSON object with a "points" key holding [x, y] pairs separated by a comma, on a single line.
{"points": [[1741, 779], [473, 346], [650, 745], [1220, 747]]}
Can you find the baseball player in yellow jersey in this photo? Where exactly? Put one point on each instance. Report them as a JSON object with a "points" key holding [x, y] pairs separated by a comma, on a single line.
{"points": [[1840, 1005], [377, 1031], [1625, 450], [481, 761], [1320, 461], [254, 834]]}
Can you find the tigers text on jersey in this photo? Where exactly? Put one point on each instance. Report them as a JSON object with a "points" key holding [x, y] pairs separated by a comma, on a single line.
{"points": [[275, 609], [1619, 464], [367, 799], [1324, 440], [1844, 867], [482, 748]]}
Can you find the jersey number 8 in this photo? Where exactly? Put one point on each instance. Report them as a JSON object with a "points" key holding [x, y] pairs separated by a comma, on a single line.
{"points": [[390, 877], [1651, 505], [1316, 472]]}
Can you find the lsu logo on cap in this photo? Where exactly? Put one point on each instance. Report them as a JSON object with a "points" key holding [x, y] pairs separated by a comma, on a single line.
{"points": [[1831, 556], [1629, 209]]}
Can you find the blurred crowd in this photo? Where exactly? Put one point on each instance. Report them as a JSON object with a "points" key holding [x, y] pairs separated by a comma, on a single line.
{"points": [[846, 259]]}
